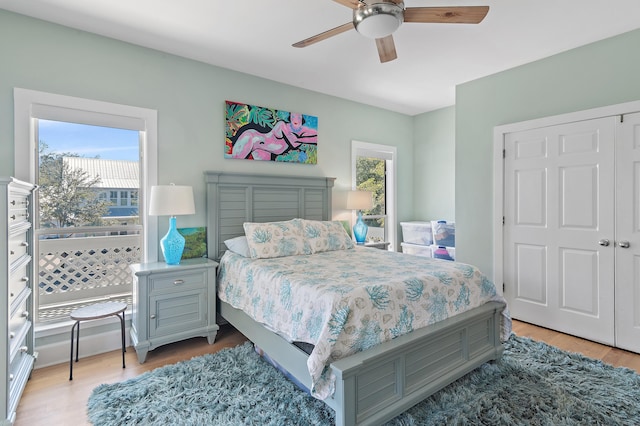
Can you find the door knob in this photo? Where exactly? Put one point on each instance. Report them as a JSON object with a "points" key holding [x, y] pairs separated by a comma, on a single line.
{"points": [[623, 244], [604, 242]]}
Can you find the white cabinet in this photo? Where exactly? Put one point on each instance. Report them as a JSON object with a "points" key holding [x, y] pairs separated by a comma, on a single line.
{"points": [[16, 245], [172, 303]]}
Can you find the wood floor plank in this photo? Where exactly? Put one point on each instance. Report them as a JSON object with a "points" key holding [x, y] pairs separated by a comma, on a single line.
{"points": [[51, 399]]}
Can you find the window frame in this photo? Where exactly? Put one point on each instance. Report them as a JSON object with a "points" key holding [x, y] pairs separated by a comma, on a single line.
{"points": [[30, 105], [388, 153]]}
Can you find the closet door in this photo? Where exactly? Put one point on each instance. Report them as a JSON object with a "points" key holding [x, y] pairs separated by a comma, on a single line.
{"points": [[628, 234], [559, 227]]}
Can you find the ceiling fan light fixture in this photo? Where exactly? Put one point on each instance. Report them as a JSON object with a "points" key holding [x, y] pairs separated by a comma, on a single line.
{"points": [[378, 20]]}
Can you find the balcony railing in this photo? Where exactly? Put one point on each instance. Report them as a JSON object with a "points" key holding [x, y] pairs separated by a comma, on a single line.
{"points": [[80, 266]]}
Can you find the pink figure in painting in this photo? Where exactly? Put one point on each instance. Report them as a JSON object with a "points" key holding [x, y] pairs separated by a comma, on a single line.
{"points": [[283, 136]]}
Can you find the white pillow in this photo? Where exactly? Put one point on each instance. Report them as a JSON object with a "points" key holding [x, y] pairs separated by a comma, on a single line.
{"points": [[275, 239], [326, 235], [238, 245]]}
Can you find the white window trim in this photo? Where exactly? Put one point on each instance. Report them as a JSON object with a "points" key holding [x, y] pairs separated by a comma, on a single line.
{"points": [[389, 153], [31, 104]]}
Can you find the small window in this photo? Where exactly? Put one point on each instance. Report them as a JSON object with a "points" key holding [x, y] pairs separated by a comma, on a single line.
{"points": [[373, 170], [124, 198], [371, 176]]}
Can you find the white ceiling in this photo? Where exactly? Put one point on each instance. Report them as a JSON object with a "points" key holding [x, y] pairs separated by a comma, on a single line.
{"points": [[255, 37]]}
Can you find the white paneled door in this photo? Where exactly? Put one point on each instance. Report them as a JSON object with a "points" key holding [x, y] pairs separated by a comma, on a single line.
{"points": [[628, 234], [559, 233]]}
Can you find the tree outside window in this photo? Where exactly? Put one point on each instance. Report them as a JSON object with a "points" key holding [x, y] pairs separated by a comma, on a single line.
{"points": [[370, 176], [67, 196]]}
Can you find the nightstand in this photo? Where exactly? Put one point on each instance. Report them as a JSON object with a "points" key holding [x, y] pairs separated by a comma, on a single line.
{"points": [[382, 245], [172, 303]]}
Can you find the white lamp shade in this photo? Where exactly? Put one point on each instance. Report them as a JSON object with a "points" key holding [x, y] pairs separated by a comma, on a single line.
{"points": [[359, 200], [171, 200]]}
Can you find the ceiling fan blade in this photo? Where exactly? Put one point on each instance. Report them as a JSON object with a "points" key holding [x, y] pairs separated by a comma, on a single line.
{"points": [[325, 35], [386, 49], [446, 15], [351, 4]]}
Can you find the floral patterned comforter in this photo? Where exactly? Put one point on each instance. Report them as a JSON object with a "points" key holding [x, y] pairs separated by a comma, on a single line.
{"points": [[346, 301]]}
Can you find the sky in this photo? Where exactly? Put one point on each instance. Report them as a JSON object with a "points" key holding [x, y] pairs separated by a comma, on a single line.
{"points": [[89, 141]]}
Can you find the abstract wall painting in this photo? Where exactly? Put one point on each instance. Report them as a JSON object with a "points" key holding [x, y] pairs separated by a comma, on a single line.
{"points": [[267, 134]]}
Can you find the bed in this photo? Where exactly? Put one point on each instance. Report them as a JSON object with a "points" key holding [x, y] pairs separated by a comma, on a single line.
{"points": [[376, 384]]}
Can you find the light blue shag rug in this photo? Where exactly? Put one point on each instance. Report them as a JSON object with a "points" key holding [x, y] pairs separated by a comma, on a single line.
{"points": [[533, 384]]}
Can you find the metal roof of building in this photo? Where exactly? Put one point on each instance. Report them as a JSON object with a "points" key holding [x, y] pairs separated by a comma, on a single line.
{"points": [[112, 173]]}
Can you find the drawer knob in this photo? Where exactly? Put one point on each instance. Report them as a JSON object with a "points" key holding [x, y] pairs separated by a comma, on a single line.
{"points": [[178, 282], [25, 215], [24, 349], [153, 316], [25, 314], [25, 244], [12, 252], [25, 279], [11, 377], [12, 335]]}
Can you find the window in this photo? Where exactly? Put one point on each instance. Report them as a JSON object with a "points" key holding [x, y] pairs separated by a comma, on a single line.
{"points": [[373, 170], [88, 225]]}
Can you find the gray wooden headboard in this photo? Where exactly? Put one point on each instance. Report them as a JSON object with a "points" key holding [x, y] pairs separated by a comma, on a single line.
{"points": [[235, 198]]}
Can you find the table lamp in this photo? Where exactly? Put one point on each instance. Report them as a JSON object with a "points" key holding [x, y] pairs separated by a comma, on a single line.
{"points": [[360, 200], [171, 200]]}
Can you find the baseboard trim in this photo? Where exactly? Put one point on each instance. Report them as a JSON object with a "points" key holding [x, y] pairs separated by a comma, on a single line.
{"points": [[92, 344]]}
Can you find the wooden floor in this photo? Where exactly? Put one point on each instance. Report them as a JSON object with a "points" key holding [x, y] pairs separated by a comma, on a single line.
{"points": [[51, 399]]}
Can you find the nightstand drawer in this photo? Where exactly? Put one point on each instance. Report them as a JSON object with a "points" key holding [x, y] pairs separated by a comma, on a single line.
{"points": [[168, 283]]}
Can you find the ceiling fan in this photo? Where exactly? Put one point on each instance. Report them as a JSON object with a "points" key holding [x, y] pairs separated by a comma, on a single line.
{"points": [[378, 19]]}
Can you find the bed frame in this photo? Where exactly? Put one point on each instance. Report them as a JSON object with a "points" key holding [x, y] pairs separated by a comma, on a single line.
{"points": [[372, 386]]}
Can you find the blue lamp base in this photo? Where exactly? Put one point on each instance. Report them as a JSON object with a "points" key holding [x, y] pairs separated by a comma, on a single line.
{"points": [[172, 244], [360, 230]]}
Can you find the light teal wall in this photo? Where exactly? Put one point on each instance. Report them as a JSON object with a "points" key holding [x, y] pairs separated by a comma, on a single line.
{"points": [[189, 97], [599, 74], [433, 171]]}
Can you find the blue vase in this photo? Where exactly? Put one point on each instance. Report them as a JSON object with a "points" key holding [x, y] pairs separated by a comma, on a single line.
{"points": [[360, 230], [172, 244]]}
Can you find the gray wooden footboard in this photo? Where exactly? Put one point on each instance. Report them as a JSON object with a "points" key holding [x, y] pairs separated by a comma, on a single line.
{"points": [[378, 384]]}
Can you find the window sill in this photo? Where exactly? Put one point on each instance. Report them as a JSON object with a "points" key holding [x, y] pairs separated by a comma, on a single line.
{"points": [[63, 327]]}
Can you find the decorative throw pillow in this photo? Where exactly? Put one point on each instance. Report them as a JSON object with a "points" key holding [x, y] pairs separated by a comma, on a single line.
{"points": [[326, 235], [276, 239], [238, 245]]}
